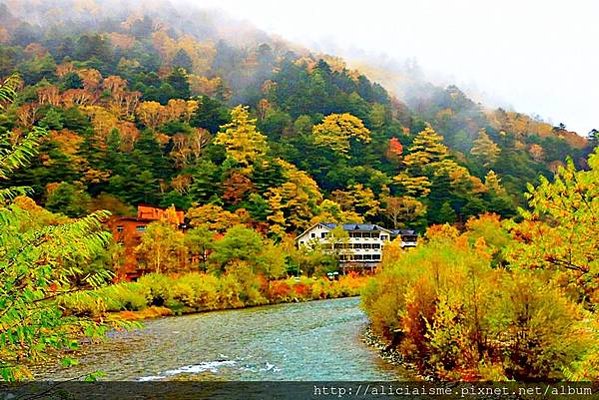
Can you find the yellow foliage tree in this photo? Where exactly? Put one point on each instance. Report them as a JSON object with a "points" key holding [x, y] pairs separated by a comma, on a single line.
{"points": [[243, 143], [336, 130], [426, 149], [485, 149], [295, 202]]}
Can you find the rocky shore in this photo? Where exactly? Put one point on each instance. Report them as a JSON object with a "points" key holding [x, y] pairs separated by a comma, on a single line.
{"points": [[391, 356]]}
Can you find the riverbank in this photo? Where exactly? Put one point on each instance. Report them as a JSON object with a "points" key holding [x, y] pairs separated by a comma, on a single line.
{"points": [[391, 355], [157, 295]]}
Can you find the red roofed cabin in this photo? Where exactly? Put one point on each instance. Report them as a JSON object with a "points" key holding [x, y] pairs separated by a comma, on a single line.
{"points": [[128, 231]]}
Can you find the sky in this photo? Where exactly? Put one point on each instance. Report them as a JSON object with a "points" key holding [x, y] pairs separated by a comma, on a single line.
{"points": [[539, 57]]}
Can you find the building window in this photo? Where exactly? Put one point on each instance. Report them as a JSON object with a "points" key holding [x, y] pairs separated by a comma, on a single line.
{"points": [[384, 237], [368, 256], [376, 246], [323, 235], [140, 228], [376, 256], [313, 235], [120, 228]]}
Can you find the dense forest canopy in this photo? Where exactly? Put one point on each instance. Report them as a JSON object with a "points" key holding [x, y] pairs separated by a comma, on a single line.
{"points": [[142, 107]]}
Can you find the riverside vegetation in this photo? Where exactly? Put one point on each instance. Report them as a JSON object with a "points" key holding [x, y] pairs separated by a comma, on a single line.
{"points": [[501, 300], [158, 295], [256, 141]]}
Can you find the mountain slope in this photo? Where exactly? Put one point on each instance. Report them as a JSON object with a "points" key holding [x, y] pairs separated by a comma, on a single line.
{"points": [[134, 101]]}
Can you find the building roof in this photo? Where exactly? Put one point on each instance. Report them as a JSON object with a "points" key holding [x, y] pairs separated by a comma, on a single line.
{"points": [[347, 227], [147, 214], [357, 227], [397, 232]]}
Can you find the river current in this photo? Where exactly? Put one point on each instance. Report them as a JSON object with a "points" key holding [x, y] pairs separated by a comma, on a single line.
{"points": [[318, 340]]}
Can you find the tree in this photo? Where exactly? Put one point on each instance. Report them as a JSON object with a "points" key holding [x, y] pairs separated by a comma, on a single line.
{"points": [[199, 242], [213, 217], [294, 203], [162, 247], [403, 210], [426, 149], [68, 199], [178, 81], [418, 186], [151, 114], [244, 145], [559, 230], [593, 138], [330, 211], [336, 130], [239, 244], [359, 199], [485, 150], [394, 150], [211, 115], [446, 214], [182, 60], [32, 269], [236, 186]]}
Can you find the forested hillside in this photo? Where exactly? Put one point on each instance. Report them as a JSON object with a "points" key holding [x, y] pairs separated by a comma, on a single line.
{"points": [[142, 106]]}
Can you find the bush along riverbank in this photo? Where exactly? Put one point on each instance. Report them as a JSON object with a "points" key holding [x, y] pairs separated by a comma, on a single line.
{"points": [[156, 295], [465, 314]]}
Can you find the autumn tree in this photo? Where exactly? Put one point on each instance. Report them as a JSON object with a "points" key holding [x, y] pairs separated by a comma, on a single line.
{"points": [[295, 202], [33, 268], [559, 229], [403, 210], [212, 216], [416, 186], [426, 149], [236, 187], [485, 150], [359, 199], [394, 150], [336, 131], [162, 247], [243, 144], [330, 211]]}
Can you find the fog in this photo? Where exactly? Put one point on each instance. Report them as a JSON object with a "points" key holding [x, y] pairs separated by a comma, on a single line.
{"points": [[535, 57]]}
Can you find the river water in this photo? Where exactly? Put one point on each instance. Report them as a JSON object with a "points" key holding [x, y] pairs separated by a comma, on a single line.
{"points": [[318, 340]]}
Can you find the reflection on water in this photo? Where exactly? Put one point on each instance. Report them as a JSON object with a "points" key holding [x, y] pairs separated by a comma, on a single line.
{"points": [[318, 340]]}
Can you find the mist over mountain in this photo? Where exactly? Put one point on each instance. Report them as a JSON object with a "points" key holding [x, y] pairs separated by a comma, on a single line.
{"points": [[135, 94]]}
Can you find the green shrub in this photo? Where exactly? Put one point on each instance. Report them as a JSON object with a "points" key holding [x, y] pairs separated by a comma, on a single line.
{"points": [[159, 288], [82, 304]]}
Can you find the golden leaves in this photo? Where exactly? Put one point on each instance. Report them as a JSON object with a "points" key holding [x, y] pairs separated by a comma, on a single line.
{"points": [[336, 130]]}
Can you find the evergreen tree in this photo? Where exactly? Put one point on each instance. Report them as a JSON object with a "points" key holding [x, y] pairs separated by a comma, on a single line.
{"points": [[485, 150], [179, 83], [182, 60]]}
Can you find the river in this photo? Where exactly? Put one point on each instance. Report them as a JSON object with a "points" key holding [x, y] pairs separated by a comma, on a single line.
{"points": [[318, 340]]}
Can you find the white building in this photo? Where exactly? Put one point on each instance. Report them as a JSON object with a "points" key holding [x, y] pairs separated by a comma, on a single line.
{"points": [[364, 246]]}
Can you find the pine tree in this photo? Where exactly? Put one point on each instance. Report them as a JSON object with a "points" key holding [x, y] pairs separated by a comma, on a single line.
{"points": [[243, 143], [485, 150], [426, 149]]}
